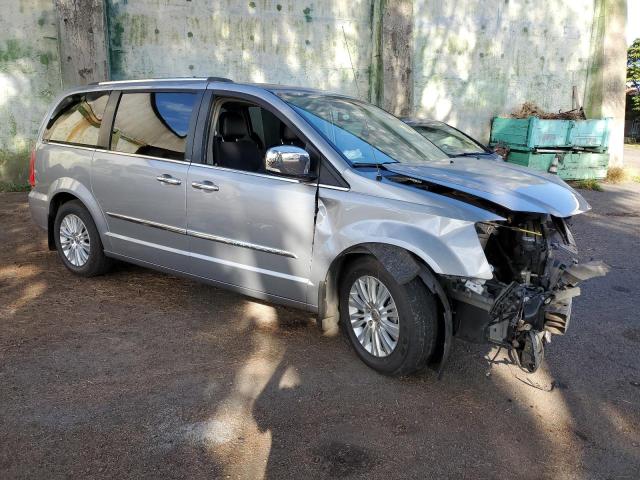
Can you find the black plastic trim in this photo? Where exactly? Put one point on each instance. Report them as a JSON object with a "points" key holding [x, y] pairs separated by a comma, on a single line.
{"points": [[199, 150], [104, 138], [219, 79]]}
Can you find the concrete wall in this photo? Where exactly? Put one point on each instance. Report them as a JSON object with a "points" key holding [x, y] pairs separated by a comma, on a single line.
{"points": [[29, 78], [459, 61], [274, 41]]}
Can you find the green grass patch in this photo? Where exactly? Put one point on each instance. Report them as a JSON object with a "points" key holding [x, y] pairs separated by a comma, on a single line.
{"points": [[14, 187], [590, 184]]}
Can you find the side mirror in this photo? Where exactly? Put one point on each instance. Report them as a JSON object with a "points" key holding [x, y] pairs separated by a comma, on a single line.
{"points": [[288, 160]]}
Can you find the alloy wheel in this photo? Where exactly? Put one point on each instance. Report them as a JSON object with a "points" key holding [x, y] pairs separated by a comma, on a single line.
{"points": [[74, 240], [374, 316]]}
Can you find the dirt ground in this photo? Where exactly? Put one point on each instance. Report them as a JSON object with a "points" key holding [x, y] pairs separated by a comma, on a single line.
{"points": [[138, 374]]}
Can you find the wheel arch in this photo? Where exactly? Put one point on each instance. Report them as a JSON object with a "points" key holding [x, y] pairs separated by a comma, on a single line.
{"points": [[404, 266], [65, 190]]}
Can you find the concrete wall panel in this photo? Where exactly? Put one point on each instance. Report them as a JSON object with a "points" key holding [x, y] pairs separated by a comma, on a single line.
{"points": [[272, 41], [29, 79]]}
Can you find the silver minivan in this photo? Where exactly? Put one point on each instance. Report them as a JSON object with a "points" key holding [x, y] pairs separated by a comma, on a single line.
{"points": [[314, 200]]}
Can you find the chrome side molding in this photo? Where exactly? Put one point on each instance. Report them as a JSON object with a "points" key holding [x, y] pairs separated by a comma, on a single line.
{"points": [[148, 223], [239, 243], [205, 236]]}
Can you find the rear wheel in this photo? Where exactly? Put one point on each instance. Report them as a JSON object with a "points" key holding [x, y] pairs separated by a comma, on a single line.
{"points": [[78, 242], [392, 327]]}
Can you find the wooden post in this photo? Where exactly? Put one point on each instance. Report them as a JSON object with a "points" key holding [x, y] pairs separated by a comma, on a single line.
{"points": [[83, 41]]}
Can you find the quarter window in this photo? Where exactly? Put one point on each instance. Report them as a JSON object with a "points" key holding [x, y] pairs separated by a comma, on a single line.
{"points": [[153, 124], [77, 119]]}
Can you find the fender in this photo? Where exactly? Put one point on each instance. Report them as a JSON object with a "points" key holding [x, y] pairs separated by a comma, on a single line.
{"points": [[416, 242], [77, 189], [448, 246]]}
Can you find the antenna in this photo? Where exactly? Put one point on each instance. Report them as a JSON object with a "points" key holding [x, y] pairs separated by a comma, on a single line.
{"points": [[355, 77]]}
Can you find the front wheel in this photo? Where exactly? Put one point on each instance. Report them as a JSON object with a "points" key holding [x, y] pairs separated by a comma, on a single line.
{"points": [[78, 242], [392, 327]]}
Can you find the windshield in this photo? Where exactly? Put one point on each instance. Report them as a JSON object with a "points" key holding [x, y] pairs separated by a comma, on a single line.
{"points": [[450, 140], [363, 133]]}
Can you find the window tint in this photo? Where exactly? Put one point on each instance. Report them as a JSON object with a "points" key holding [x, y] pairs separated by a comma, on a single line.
{"points": [[154, 124], [77, 119]]}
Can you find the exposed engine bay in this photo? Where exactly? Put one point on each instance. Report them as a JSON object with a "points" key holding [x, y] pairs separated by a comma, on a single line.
{"points": [[535, 277]]}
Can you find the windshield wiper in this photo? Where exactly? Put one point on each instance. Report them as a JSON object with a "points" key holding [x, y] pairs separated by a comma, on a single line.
{"points": [[370, 164], [471, 154]]}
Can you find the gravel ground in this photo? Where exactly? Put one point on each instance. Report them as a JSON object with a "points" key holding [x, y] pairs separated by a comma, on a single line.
{"points": [[140, 374]]}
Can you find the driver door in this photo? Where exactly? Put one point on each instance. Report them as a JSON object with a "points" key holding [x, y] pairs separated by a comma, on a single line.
{"points": [[248, 228]]}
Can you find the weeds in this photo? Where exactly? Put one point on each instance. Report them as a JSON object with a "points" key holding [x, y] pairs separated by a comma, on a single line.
{"points": [[621, 175], [618, 175], [14, 187], [589, 184]]}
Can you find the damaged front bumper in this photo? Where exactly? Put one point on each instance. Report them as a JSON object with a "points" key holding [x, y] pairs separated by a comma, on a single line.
{"points": [[523, 313]]}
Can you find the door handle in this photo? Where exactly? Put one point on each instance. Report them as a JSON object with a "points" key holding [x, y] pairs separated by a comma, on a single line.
{"points": [[168, 179], [206, 185]]}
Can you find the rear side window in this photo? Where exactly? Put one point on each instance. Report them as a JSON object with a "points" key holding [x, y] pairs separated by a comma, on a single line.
{"points": [[76, 120], [154, 124]]}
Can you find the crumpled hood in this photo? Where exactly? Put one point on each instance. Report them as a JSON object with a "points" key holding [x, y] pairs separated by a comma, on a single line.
{"points": [[516, 188]]}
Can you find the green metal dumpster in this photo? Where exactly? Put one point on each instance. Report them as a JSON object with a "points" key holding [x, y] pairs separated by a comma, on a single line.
{"points": [[590, 134], [577, 147], [571, 165], [533, 133], [530, 133]]}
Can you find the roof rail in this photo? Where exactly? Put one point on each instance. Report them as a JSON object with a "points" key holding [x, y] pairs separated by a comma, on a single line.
{"points": [[219, 79], [143, 80]]}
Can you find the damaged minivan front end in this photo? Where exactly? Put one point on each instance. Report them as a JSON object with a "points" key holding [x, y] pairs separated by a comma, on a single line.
{"points": [[535, 278], [490, 241], [532, 254]]}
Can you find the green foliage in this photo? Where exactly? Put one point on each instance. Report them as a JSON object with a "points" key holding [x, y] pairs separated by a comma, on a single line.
{"points": [[14, 169], [590, 184], [633, 72], [14, 187]]}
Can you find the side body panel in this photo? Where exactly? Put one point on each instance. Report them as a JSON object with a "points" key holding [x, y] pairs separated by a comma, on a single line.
{"points": [[64, 168], [146, 217], [256, 231]]}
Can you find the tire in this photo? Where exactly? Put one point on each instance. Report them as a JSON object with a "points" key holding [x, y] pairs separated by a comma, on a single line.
{"points": [[93, 261], [417, 322]]}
